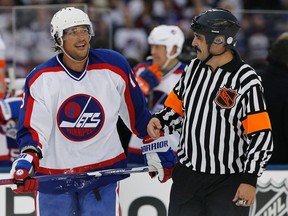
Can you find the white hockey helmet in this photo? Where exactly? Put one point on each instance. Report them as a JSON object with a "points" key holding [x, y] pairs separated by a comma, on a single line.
{"points": [[169, 36], [67, 18]]}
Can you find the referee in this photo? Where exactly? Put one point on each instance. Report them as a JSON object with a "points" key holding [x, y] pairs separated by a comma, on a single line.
{"points": [[219, 109]]}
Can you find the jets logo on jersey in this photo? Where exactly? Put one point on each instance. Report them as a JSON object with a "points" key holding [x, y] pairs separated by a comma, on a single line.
{"points": [[80, 117], [226, 97]]}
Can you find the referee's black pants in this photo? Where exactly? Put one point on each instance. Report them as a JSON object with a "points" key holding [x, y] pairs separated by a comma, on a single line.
{"points": [[200, 194]]}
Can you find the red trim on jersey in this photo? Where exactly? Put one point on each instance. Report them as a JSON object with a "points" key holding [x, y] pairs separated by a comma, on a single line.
{"points": [[45, 70], [178, 71], [29, 108], [140, 66], [30, 102], [84, 168], [134, 150], [127, 93], [4, 157]]}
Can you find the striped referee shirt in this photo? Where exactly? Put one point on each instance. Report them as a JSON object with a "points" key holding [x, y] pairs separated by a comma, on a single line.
{"points": [[222, 117]]}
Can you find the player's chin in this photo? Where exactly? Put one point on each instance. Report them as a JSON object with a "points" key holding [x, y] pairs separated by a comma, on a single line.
{"points": [[82, 54]]}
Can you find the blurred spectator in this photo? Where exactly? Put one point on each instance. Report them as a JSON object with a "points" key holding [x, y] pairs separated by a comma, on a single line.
{"points": [[102, 26], [259, 28], [275, 83], [10, 2], [260, 4], [258, 41], [131, 41], [233, 5], [166, 12], [191, 9], [116, 13], [40, 31], [145, 18]]}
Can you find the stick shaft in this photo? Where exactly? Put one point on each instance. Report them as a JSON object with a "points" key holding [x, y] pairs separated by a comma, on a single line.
{"points": [[121, 171], [6, 181], [108, 172]]}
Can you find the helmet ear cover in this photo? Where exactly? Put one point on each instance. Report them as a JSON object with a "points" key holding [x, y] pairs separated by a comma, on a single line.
{"points": [[219, 40]]}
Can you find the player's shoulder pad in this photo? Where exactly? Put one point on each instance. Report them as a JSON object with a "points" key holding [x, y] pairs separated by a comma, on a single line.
{"points": [[48, 66], [108, 56], [51, 63], [111, 58]]}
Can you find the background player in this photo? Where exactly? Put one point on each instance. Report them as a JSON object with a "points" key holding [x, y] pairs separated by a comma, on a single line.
{"points": [[9, 113], [10, 101], [157, 77]]}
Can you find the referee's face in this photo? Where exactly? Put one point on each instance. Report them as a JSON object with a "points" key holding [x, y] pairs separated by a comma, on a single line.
{"points": [[199, 43]]}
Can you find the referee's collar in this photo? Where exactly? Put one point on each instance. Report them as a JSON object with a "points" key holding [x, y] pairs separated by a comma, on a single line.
{"points": [[234, 64]]}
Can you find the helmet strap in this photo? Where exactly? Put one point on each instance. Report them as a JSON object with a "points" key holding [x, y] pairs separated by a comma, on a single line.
{"points": [[209, 56], [212, 55], [164, 66], [170, 57]]}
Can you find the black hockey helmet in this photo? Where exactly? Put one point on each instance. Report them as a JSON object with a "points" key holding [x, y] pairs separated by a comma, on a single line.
{"points": [[215, 22]]}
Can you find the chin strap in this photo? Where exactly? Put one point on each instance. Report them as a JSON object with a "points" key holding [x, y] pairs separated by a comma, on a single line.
{"points": [[165, 64], [211, 55]]}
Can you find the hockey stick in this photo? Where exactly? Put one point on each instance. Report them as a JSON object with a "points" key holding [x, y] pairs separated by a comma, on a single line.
{"points": [[12, 86], [108, 172]]}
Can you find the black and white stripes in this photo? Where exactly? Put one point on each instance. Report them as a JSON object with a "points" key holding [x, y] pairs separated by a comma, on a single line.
{"points": [[222, 112]]}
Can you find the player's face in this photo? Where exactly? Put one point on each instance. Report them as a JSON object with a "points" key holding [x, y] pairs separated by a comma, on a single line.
{"points": [[76, 42], [199, 42], [159, 54]]}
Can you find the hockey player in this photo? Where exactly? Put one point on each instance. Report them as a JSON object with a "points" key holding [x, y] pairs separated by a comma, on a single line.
{"points": [[9, 113], [226, 137], [68, 118], [10, 101], [157, 77], [4, 152]]}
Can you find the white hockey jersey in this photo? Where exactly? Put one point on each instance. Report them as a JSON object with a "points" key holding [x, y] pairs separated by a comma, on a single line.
{"points": [[72, 116]]}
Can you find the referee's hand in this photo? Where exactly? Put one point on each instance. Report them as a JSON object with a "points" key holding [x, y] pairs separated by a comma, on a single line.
{"points": [[154, 128], [245, 195]]}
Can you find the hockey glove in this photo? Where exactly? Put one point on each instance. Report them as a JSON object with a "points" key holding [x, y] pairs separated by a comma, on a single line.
{"points": [[22, 168], [149, 78], [158, 154]]}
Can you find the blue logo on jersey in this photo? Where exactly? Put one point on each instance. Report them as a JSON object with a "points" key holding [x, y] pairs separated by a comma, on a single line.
{"points": [[80, 117]]}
